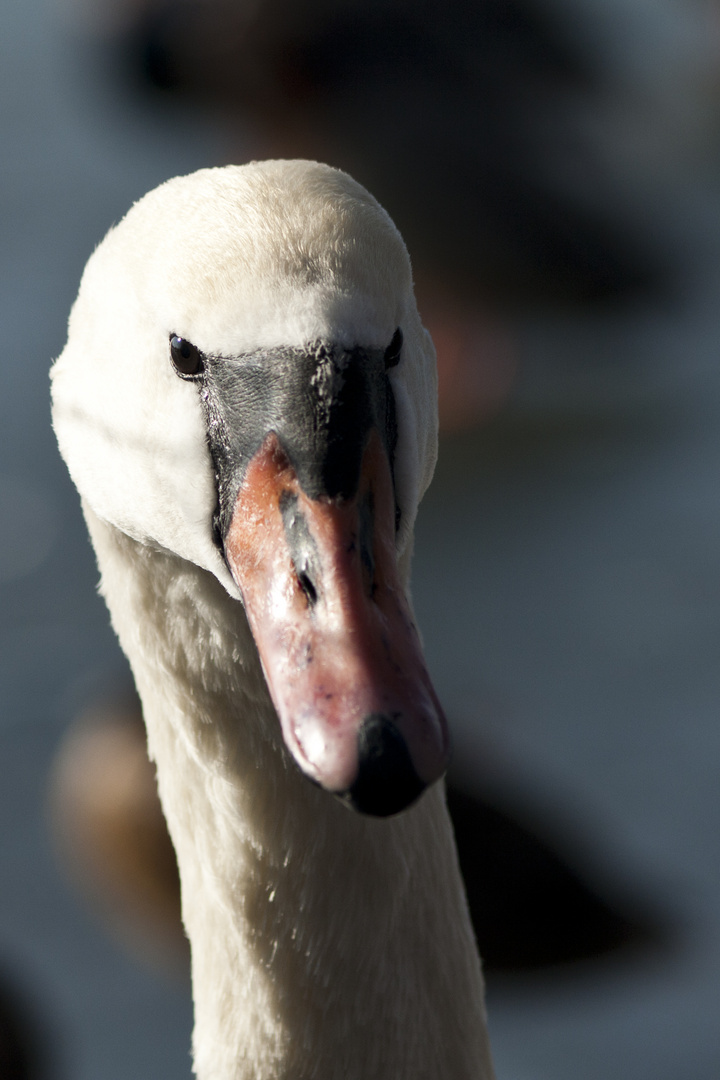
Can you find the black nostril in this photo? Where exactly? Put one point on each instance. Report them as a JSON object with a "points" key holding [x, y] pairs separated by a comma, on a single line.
{"points": [[308, 588], [302, 547], [386, 782]]}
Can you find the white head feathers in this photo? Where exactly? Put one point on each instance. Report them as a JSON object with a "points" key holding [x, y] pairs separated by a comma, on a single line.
{"points": [[261, 255]]}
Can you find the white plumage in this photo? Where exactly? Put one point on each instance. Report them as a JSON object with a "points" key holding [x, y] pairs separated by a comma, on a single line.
{"points": [[325, 944]]}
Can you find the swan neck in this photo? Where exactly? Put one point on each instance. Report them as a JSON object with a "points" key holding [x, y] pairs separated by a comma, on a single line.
{"points": [[325, 945]]}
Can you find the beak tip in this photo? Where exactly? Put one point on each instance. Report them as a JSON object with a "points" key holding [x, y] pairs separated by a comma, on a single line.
{"points": [[386, 782]]}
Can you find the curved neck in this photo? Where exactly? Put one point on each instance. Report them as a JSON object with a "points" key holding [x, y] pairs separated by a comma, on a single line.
{"points": [[324, 944]]}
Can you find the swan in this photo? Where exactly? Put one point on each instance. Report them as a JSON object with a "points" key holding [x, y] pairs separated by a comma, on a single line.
{"points": [[247, 405]]}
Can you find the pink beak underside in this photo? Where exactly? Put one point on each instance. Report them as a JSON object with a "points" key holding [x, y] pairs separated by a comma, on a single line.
{"points": [[334, 631]]}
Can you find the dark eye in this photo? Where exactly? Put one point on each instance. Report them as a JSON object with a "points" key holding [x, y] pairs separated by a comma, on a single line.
{"points": [[186, 357], [392, 353]]}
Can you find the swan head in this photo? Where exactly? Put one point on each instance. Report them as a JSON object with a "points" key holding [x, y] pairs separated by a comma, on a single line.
{"points": [[247, 384]]}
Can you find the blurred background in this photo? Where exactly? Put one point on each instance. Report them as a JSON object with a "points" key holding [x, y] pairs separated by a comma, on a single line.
{"points": [[555, 168]]}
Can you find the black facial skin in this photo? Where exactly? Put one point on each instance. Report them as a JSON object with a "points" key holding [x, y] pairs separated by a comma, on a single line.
{"points": [[322, 403]]}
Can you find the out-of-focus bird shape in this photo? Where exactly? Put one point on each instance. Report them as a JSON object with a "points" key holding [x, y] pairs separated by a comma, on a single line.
{"points": [[532, 910], [468, 119], [475, 123]]}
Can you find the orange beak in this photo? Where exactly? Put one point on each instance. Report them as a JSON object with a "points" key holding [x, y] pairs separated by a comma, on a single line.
{"points": [[334, 630]]}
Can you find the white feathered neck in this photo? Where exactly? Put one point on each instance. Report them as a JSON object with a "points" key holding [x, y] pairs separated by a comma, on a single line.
{"points": [[325, 945]]}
